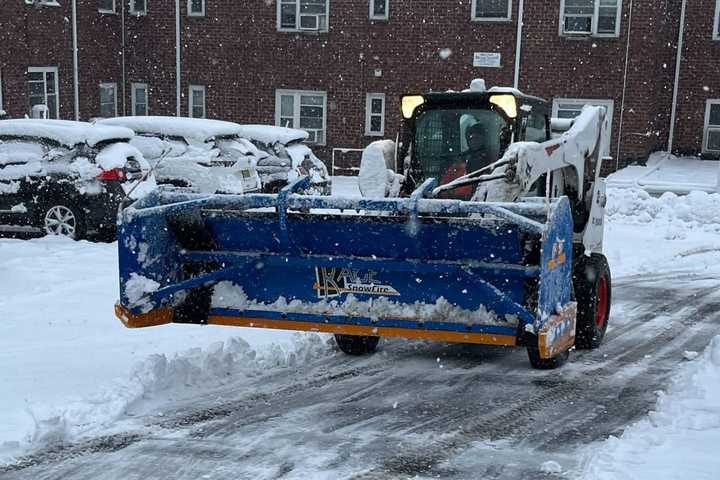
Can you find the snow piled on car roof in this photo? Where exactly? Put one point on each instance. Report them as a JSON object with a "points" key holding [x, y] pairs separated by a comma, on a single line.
{"points": [[65, 132], [270, 134], [200, 129]]}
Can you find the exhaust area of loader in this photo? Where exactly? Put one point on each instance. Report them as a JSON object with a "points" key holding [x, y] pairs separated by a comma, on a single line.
{"points": [[417, 267]]}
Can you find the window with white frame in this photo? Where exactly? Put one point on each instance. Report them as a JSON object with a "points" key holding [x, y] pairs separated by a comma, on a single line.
{"points": [[196, 101], [196, 8], [716, 23], [600, 18], [491, 10], [303, 15], [106, 6], [139, 97], [379, 9], [138, 7], [711, 136], [43, 89], [108, 100], [304, 110], [375, 114], [570, 108]]}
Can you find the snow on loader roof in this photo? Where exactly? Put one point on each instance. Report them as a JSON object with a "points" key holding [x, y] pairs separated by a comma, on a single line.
{"points": [[65, 132], [200, 129]]}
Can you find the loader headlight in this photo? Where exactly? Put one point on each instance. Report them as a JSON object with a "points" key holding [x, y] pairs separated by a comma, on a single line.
{"points": [[507, 103], [409, 104]]}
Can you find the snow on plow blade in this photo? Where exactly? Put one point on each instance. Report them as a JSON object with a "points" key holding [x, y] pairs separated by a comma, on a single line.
{"points": [[417, 267]]}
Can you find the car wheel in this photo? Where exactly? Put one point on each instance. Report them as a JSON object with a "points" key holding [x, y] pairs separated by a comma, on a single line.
{"points": [[64, 220]]}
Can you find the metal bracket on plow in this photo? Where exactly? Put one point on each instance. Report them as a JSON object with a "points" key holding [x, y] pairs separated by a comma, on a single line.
{"points": [[282, 205], [423, 191]]}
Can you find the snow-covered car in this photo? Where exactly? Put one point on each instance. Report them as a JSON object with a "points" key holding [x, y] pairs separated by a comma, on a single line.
{"points": [[204, 155], [67, 178], [288, 158]]}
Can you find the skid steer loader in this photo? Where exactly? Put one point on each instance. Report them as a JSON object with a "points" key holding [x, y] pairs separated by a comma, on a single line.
{"points": [[495, 238]]}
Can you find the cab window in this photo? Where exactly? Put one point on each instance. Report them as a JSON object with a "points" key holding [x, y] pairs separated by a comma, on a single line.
{"points": [[452, 142]]}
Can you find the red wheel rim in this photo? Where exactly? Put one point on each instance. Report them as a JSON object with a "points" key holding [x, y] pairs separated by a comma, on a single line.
{"points": [[601, 307]]}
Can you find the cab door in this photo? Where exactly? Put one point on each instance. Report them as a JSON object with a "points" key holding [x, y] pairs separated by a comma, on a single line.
{"points": [[20, 165]]}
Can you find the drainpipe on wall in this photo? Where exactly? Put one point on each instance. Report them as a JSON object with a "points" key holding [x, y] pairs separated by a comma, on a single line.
{"points": [[518, 44], [122, 52], [76, 79], [177, 55], [676, 87], [624, 90]]}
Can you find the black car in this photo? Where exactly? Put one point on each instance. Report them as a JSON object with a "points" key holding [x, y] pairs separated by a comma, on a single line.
{"points": [[66, 178]]}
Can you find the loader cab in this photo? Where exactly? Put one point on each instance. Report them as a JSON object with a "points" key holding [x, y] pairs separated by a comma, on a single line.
{"points": [[447, 135]]}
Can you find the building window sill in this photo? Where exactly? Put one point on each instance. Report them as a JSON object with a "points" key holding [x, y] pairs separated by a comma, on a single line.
{"points": [[491, 20], [43, 3]]}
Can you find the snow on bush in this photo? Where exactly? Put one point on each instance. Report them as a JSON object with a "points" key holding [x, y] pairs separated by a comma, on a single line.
{"points": [[678, 439], [232, 361]]}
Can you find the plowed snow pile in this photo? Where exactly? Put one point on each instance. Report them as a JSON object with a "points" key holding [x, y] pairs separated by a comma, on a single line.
{"points": [[697, 209], [678, 440]]}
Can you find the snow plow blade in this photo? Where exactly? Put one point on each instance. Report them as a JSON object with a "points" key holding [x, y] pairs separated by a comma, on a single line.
{"points": [[418, 267]]}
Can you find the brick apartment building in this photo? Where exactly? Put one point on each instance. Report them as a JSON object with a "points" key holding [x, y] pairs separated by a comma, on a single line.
{"points": [[338, 68]]}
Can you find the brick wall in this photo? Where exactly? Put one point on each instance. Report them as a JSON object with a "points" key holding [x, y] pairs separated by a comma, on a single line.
{"points": [[236, 52], [699, 77], [34, 37]]}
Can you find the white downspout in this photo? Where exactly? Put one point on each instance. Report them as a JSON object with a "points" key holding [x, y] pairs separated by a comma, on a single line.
{"points": [[76, 76], [177, 55], [624, 89], [518, 44], [122, 51], [676, 87]]}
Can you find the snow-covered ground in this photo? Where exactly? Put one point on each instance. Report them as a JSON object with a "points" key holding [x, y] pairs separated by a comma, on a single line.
{"points": [[668, 173], [65, 356], [679, 439], [71, 369]]}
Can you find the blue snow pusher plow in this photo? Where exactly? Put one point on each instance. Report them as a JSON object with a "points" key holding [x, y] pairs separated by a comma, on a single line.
{"points": [[416, 267]]}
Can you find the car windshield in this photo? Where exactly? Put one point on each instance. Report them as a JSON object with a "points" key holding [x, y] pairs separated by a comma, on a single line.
{"points": [[452, 142]]}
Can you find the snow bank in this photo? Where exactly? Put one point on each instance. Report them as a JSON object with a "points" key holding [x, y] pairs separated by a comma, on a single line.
{"points": [[697, 209], [232, 361], [678, 439]]}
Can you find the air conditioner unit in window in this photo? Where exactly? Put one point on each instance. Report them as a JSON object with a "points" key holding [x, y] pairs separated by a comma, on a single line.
{"points": [[310, 22]]}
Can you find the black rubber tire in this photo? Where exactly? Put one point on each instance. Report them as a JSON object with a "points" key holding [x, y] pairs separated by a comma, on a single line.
{"points": [[356, 345], [593, 299], [546, 363], [80, 223]]}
